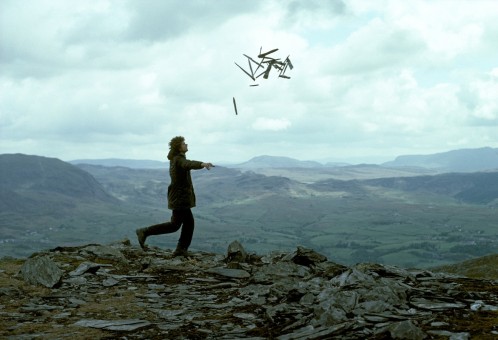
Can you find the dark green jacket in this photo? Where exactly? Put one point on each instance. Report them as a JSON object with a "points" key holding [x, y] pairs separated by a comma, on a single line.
{"points": [[181, 191]]}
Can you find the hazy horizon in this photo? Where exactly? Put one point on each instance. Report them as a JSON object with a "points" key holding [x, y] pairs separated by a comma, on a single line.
{"points": [[228, 163]]}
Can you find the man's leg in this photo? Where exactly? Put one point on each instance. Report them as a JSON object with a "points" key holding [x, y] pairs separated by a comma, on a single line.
{"points": [[161, 228], [186, 233]]}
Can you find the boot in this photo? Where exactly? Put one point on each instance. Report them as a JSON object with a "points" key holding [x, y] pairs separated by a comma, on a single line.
{"points": [[141, 235], [156, 229], [180, 251]]}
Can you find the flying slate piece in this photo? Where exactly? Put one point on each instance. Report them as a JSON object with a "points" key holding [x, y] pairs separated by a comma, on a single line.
{"points": [[250, 75], [268, 69], [263, 55], [284, 67], [288, 62], [249, 59], [235, 106], [250, 66]]}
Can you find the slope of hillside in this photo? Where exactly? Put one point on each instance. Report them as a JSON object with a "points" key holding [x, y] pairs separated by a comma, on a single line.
{"points": [[485, 267], [348, 172], [28, 175], [219, 185], [45, 201]]}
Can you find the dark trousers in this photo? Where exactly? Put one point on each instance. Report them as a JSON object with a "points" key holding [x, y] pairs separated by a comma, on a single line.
{"points": [[180, 218]]}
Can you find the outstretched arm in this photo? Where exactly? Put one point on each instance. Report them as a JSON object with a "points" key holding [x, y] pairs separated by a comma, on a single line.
{"points": [[207, 165], [191, 165]]}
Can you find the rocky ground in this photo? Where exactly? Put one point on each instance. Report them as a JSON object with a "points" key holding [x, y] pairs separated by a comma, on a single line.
{"points": [[118, 291]]}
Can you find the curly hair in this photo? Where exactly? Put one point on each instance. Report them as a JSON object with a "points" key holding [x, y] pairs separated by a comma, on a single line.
{"points": [[174, 146]]}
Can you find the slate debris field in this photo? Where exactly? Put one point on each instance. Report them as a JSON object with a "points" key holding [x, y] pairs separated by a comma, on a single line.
{"points": [[119, 291]]}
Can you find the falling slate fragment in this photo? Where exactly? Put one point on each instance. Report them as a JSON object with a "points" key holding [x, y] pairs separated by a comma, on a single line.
{"points": [[250, 75], [263, 55], [235, 106]]}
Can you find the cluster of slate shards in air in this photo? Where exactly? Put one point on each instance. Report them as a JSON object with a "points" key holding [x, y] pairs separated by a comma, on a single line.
{"points": [[265, 63]]}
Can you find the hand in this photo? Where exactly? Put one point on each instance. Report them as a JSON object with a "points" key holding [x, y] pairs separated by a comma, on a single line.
{"points": [[207, 165]]}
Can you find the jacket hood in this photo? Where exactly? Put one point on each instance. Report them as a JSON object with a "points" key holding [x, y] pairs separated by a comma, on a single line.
{"points": [[172, 154]]}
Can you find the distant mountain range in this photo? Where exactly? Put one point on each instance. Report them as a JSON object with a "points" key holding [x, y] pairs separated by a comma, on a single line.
{"points": [[127, 163], [276, 162], [462, 160], [405, 215]]}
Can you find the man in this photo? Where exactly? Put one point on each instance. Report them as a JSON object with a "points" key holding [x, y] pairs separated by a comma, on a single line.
{"points": [[181, 198]]}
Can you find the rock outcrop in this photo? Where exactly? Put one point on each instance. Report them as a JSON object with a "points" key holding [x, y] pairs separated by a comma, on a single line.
{"points": [[120, 291]]}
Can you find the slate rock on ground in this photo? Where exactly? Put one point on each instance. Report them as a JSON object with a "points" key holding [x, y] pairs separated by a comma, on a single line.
{"points": [[121, 291]]}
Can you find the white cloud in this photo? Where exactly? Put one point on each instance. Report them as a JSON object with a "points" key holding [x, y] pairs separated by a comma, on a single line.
{"points": [[270, 124], [119, 79]]}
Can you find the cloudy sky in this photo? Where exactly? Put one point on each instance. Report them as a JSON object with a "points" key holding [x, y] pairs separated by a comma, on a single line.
{"points": [[371, 79]]}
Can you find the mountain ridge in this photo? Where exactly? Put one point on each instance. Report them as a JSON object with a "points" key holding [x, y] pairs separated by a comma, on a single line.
{"points": [[128, 163], [459, 160], [405, 221], [266, 161]]}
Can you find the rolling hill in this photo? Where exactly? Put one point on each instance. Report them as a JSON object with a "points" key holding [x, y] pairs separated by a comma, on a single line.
{"points": [[45, 201], [30, 180], [417, 220]]}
